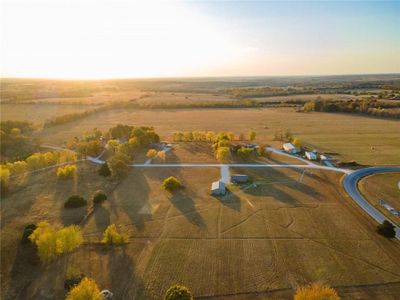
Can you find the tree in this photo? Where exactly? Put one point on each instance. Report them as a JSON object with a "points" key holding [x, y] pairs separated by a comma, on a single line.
{"points": [[296, 142], [152, 153], [222, 154], [245, 152], [251, 135], [87, 289], [5, 179], [162, 155], [178, 292], [111, 236], [119, 165], [316, 291], [104, 170], [171, 184], [386, 229], [66, 172], [99, 197], [51, 243]]}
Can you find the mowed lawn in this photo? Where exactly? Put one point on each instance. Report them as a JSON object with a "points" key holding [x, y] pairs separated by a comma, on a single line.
{"points": [[363, 139], [383, 186], [266, 239]]}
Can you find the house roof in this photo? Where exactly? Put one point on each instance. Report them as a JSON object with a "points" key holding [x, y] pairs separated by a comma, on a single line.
{"points": [[217, 185]]}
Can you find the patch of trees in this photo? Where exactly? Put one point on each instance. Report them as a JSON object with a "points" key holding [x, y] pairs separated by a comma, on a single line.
{"points": [[386, 229], [178, 292], [142, 136], [245, 153], [247, 103], [316, 291], [268, 91], [51, 242], [221, 147], [119, 165], [171, 184], [369, 107], [66, 172], [16, 142], [104, 170], [112, 236]]}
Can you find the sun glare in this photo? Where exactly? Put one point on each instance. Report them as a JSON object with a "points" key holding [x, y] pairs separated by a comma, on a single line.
{"points": [[114, 39]]}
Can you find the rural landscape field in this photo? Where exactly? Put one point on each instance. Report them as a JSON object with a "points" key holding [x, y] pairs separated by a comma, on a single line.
{"points": [[184, 150]]}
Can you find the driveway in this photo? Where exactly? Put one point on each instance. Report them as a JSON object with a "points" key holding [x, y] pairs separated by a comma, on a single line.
{"points": [[350, 185]]}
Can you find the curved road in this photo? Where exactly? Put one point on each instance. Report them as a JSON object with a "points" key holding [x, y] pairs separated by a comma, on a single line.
{"points": [[350, 185]]}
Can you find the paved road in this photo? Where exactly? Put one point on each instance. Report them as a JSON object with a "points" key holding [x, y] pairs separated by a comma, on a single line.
{"points": [[350, 185]]}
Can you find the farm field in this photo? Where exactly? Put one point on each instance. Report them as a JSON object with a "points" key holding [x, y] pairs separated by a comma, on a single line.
{"points": [[266, 239], [384, 186], [38, 113], [366, 140]]}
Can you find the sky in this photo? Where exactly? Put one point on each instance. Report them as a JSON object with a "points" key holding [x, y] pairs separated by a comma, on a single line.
{"points": [[91, 39]]}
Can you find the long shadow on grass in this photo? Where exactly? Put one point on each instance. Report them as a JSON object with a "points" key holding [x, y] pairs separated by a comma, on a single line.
{"points": [[125, 283], [230, 200], [182, 201], [101, 217], [132, 195]]}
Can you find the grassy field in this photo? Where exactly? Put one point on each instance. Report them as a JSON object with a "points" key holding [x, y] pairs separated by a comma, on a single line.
{"points": [[347, 137], [384, 186], [265, 239]]}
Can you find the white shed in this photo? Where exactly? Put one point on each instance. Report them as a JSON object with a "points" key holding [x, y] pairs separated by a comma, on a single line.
{"points": [[290, 148], [311, 155], [218, 188]]}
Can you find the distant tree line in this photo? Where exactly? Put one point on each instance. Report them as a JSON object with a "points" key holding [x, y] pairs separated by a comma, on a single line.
{"points": [[369, 107]]}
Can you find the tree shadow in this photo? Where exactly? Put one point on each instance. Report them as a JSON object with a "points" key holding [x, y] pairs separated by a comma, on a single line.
{"points": [[24, 270], [182, 201], [101, 217], [72, 216], [125, 283], [230, 200]]}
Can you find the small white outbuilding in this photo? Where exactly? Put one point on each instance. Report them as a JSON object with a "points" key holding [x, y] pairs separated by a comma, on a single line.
{"points": [[290, 148], [311, 155], [218, 188]]}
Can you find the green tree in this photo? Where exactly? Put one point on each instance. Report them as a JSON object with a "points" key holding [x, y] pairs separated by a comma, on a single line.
{"points": [[171, 184], [104, 170], [251, 135], [245, 153], [386, 229], [178, 292]]}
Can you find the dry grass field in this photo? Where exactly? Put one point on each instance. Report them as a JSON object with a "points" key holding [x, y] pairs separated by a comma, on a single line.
{"points": [[383, 186], [348, 137], [265, 239], [38, 114]]}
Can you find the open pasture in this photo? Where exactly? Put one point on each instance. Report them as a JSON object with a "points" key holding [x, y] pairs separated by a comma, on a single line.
{"points": [[347, 137], [265, 239]]}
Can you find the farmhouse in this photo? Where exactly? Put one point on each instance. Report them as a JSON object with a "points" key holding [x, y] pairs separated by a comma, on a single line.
{"points": [[311, 155], [218, 188], [324, 157], [290, 148], [239, 178]]}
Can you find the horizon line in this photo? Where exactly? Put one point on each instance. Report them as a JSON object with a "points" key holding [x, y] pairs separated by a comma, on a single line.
{"points": [[194, 77]]}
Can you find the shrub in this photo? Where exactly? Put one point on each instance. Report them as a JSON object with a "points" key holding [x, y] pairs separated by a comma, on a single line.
{"points": [[316, 291], [73, 277], [111, 236], [104, 170], [87, 289], [99, 198], [386, 229], [75, 201], [51, 243], [28, 230], [152, 153], [178, 292], [245, 152], [251, 135], [171, 184], [66, 172], [162, 155]]}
